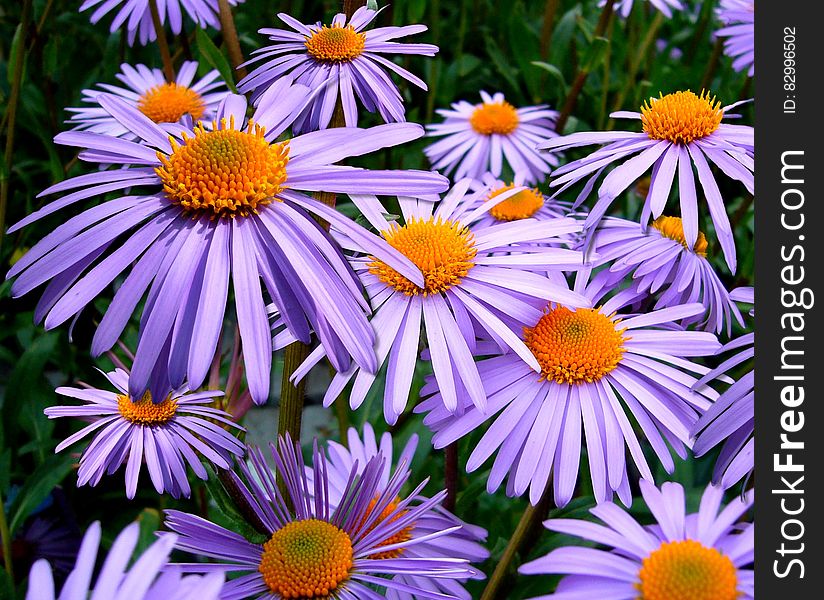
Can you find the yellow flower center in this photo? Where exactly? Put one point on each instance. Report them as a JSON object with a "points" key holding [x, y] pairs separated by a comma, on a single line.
{"points": [[146, 412], [494, 117], [442, 250], [575, 346], [335, 44], [404, 535], [673, 228], [522, 205], [167, 102], [306, 559], [224, 171], [681, 117], [687, 570]]}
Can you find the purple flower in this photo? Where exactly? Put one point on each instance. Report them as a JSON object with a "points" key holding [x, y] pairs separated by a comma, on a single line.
{"points": [[738, 17], [166, 435], [478, 137], [143, 580], [624, 7], [315, 549], [344, 60], [659, 261], [147, 91], [195, 224], [681, 131], [599, 368], [682, 556]]}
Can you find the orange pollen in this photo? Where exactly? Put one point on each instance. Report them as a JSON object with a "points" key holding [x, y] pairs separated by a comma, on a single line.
{"points": [[673, 228], [681, 117], [442, 250], [168, 102], [495, 117], [522, 205], [335, 44], [306, 559], [146, 412], [687, 570], [404, 535], [575, 346], [226, 172]]}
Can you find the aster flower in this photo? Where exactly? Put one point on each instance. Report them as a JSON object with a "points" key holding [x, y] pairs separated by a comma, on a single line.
{"points": [[136, 16], [681, 131], [143, 580], [738, 17], [624, 7], [599, 368], [477, 279], [707, 554], [166, 435], [315, 549], [147, 90], [196, 224], [480, 137], [658, 260], [43, 537], [345, 60]]}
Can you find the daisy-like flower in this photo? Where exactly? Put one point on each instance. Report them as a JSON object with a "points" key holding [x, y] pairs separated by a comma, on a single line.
{"points": [[217, 203], [145, 579], [166, 435], [731, 418], [738, 17], [707, 554], [314, 549], [136, 16], [479, 138], [682, 131], [477, 279], [660, 262], [148, 91], [624, 7], [345, 60], [600, 371]]}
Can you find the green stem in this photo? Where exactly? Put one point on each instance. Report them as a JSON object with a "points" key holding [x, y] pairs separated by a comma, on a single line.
{"points": [[550, 11], [227, 27], [5, 534], [162, 42]]}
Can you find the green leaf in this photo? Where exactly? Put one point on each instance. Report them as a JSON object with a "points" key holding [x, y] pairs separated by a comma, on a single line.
{"points": [[595, 54], [229, 515], [16, 48], [213, 56], [38, 486], [150, 521], [554, 71], [501, 63]]}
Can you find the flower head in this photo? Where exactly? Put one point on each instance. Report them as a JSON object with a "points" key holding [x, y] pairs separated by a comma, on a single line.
{"points": [[738, 17], [666, 7]]}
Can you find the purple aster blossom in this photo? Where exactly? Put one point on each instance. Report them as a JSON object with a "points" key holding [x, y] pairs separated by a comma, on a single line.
{"points": [[681, 132], [147, 90], [143, 580], [351, 550], [658, 261], [166, 435], [192, 228], [479, 138], [136, 16], [53, 539], [649, 561], [624, 7], [627, 368], [738, 17], [345, 60], [478, 279]]}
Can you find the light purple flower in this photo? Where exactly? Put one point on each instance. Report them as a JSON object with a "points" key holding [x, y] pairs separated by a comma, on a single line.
{"points": [[682, 131], [193, 225], [600, 371], [706, 554], [738, 17], [146, 90], [624, 7], [345, 60], [166, 435], [348, 551], [145, 579], [479, 138]]}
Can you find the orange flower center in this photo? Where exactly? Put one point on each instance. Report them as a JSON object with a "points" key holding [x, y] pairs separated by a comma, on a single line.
{"points": [[335, 44], [495, 117], [681, 117], [442, 250], [168, 102], [522, 205], [404, 535], [687, 570], [306, 559], [673, 228], [146, 412], [575, 346], [224, 171]]}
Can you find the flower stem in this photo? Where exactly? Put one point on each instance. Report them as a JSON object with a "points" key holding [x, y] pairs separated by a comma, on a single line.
{"points": [[550, 11], [227, 27], [248, 512], [6, 535], [451, 476], [712, 65], [162, 42]]}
